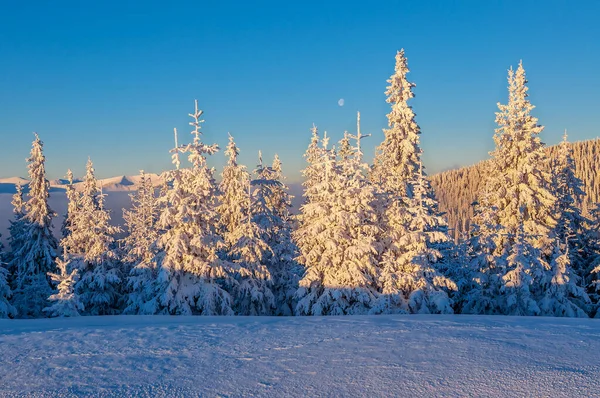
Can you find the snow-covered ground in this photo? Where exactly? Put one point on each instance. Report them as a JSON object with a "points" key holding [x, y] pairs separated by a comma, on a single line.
{"points": [[401, 356]]}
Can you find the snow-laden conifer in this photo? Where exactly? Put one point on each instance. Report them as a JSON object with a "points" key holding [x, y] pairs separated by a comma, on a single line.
{"points": [[72, 204], [520, 210], [411, 280], [6, 308], [252, 293], [139, 246], [234, 204], [397, 159], [91, 251], [571, 224], [65, 302], [563, 294], [192, 279], [519, 188], [284, 269], [33, 246], [337, 240]]}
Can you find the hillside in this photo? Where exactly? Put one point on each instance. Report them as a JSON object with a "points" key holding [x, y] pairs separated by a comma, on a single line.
{"points": [[375, 356], [457, 189]]}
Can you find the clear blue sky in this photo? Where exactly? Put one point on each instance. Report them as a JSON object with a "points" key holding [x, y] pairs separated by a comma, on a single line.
{"points": [[110, 79]]}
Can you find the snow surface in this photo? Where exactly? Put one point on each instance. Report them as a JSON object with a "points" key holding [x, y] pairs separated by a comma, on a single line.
{"points": [[421, 356]]}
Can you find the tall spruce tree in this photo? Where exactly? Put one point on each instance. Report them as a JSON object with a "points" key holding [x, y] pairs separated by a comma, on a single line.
{"points": [[192, 278], [521, 208], [33, 246]]}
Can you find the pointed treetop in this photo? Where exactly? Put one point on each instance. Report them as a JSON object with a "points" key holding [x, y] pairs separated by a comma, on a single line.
{"points": [[232, 151], [70, 176], [325, 140], [196, 123], [175, 151], [17, 200], [358, 137]]}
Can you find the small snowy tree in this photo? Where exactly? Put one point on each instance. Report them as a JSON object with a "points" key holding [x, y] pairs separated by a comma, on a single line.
{"points": [[234, 203], [66, 302], [91, 251], [6, 309], [252, 293], [563, 295], [139, 246], [32, 243], [72, 204], [571, 224]]}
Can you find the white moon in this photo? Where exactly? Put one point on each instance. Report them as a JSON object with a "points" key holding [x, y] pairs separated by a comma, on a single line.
{"points": [[341, 102]]}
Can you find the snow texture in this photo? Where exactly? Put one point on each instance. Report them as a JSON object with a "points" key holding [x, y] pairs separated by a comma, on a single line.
{"points": [[375, 356]]}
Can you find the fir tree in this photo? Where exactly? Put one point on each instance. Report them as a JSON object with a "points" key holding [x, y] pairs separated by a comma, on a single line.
{"points": [[139, 246], [32, 243], [571, 224], [72, 204], [234, 203], [252, 293], [285, 270], [91, 251], [192, 279], [6, 309], [520, 211], [563, 295], [66, 302], [397, 159], [338, 245], [411, 280]]}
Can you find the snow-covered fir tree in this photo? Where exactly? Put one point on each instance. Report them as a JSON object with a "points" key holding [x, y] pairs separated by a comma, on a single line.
{"points": [[33, 246], [72, 204], [285, 270], [138, 247], [397, 159], [234, 204], [6, 308], [192, 278], [522, 209], [571, 224], [65, 302], [563, 294], [252, 293], [90, 249], [411, 281], [337, 239], [519, 187]]}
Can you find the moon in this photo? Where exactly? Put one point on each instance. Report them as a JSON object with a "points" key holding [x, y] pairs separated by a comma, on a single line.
{"points": [[341, 102]]}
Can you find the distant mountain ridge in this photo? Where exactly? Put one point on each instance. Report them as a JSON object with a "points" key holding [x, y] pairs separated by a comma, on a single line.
{"points": [[457, 189], [113, 184]]}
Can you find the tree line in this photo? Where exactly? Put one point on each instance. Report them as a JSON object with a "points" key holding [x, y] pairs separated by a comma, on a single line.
{"points": [[368, 239]]}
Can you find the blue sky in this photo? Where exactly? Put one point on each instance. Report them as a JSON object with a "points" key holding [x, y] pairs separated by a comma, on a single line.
{"points": [[111, 79]]}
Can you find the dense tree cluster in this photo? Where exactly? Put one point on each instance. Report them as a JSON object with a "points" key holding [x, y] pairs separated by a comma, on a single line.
{"points": [[524, 234]]}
